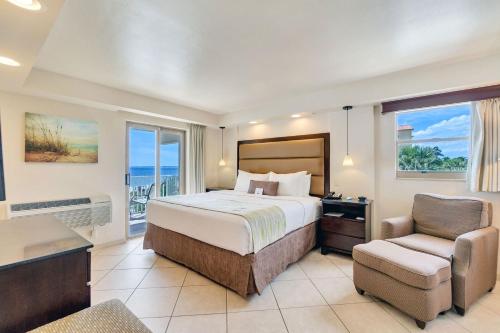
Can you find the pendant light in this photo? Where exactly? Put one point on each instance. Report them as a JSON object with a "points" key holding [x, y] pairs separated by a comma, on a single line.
{"points": [[222, 162], [347, 159]]}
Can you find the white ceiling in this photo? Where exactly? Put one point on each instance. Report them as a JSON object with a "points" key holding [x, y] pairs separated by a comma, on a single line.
{"points": [[227, 56], [22, 34]]}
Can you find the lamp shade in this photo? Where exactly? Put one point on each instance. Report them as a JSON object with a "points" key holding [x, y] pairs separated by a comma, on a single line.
{"points": [[347, 161], [222, 162]]}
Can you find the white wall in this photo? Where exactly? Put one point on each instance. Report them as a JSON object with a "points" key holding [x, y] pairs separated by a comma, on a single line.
{"points": [[27, 182]]}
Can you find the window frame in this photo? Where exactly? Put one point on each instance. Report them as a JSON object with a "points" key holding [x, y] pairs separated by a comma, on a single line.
{"points": [[429, 174]]}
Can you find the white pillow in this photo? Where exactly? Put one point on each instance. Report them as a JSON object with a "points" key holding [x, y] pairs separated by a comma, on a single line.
{"points": [[307, 187], [244, 178], [290, 184]]}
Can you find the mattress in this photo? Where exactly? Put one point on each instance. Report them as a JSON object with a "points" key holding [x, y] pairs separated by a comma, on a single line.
{"points": [[224, 230]]}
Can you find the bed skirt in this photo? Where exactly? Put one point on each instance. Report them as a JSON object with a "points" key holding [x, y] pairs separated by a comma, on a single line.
{"points": [[244, 274]]}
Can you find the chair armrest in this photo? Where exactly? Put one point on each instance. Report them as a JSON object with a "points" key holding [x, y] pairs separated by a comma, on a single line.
{"points": [[474, 264], [480, 245], [397, 227]]}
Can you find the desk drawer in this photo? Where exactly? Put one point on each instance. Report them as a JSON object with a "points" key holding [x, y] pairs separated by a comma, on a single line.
{"points": [[341, 242], [343, 226]]}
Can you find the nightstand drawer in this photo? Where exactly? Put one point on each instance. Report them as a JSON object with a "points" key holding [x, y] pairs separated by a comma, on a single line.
{"points": [[341, 242], [343, 226]]}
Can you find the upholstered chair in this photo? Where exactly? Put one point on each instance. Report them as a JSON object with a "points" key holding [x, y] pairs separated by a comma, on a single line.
{"points": [[457, 229]]}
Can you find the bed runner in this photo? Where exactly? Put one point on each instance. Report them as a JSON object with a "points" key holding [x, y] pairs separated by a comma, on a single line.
{"points": [[267, 222]]}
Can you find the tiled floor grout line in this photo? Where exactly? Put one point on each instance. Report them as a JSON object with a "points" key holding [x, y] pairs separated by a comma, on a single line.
{"points": [[109, 270], [324, 299], [114, 269], [149, 270], [338, 316], [279, 308], [392, 316], [219, 313], [458, 323], [176, 300], [227, 314], [92, 283]]}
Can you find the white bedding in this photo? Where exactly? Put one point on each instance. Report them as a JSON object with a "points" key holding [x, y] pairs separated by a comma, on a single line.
{"points": [[229, 231]]}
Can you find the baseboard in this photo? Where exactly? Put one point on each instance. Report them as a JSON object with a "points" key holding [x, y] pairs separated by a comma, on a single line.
{"points": [[108, 244]]}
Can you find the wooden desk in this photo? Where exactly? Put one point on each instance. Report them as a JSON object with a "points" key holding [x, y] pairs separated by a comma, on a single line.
{"points": [[44, 272]]}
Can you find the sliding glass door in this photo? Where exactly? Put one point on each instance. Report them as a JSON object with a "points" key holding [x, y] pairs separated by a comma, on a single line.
{"points": [[171, 161], [155, 168]]}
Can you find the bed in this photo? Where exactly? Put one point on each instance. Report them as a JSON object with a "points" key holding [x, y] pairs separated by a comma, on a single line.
{"points": [[218, 243]]}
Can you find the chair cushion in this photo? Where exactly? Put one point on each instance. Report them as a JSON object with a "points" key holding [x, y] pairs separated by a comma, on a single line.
{"points": [[440, 247], [413, 268], [448, 217]]}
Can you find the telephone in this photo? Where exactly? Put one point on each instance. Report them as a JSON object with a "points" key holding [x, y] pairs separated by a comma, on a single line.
{"points": [[333, 196]]}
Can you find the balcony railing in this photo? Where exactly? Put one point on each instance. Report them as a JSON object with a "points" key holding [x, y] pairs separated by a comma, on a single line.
{"points": [[141, 190]]}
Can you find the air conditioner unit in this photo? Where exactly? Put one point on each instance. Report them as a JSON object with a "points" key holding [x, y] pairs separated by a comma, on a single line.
{"points": [[79, 212]]}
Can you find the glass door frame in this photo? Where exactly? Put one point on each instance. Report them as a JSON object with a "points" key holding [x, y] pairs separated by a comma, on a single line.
{"points": [[182, 162]]}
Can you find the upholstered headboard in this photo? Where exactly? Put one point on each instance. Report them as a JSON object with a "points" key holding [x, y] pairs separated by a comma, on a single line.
{"points": [[288, 154]]}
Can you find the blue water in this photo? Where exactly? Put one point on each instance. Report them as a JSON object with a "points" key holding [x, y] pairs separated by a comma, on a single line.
{"points": [[144, 175], [84, 147]]}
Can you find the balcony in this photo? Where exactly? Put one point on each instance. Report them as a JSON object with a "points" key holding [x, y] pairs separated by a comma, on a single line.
{"points": [[141, 190]]}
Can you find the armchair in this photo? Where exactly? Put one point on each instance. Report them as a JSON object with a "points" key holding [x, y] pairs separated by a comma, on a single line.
{"points": [[457, 229]]}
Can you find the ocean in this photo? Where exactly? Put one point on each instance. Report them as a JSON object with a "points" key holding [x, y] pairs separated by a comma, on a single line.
{"points": [[144, 175], [84, 147]]}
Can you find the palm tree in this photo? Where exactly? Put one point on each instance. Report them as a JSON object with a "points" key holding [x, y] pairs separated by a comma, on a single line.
{"points": [[425, 158]]}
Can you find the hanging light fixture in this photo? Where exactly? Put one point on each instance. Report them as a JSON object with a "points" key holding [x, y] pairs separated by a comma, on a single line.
{"points": [[347, 158], [221, 161]]}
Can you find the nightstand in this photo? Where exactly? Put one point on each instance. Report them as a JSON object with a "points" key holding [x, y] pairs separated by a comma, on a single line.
{"points": [[344, 223], [214, 188]]}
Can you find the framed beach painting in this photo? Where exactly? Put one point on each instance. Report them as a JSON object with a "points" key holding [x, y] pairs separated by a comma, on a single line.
{"points": [[60, 140]]}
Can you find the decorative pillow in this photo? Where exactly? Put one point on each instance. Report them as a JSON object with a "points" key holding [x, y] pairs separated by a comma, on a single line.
{"points": [[269, 188], [290, 184], [244, 178]]}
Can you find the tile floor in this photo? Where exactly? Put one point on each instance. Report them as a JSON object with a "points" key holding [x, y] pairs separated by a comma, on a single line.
{"points": [[314, 295]]}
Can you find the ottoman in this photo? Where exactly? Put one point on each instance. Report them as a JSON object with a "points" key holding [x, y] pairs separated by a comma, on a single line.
{"points": [[416, 283]]}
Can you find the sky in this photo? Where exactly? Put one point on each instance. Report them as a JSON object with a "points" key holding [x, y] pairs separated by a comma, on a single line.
{"points": [[441, 122], [142, 150], [74, 131]]}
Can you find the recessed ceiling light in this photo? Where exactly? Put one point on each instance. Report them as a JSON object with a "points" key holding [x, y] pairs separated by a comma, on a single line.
{"points": [[295, 116], [27, 4], [253, 122], [9, 62]]}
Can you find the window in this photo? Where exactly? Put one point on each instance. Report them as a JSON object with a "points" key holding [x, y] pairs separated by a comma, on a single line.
{"points": [[434, 142]]}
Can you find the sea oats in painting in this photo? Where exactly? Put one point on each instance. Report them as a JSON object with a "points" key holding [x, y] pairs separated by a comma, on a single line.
{"points": [[58, 139]]}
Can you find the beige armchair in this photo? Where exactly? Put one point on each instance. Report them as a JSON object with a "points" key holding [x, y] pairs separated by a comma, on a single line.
{"points": [[457, 229]]}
